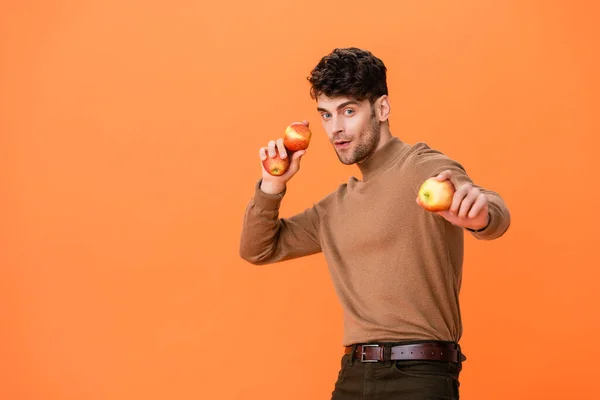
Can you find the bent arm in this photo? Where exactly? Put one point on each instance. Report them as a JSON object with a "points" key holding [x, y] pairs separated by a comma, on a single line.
{"points": [[267, 239]]}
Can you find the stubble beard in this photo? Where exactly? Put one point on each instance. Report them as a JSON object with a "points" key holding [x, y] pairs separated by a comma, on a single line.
{"points": [[367, 146]]}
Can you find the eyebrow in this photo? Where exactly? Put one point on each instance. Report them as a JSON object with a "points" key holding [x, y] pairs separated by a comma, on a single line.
{"points": [[344, 104]]}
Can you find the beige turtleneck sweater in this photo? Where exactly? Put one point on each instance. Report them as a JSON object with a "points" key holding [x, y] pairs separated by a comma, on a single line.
{"points": [[396, 267]]}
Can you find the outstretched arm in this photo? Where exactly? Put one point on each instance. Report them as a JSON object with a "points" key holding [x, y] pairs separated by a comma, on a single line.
{"points": [[481, 211]]}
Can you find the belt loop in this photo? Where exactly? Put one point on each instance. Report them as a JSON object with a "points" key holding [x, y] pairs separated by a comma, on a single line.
{"points": [[353, 353], [387, 355]]}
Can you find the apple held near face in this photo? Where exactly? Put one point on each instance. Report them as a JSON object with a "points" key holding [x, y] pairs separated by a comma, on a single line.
{"points": [[436, 195], [296, 137], [276, 165]]}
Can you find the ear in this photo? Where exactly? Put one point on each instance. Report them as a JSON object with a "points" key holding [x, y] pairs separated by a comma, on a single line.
{"points": [[383, 108]]}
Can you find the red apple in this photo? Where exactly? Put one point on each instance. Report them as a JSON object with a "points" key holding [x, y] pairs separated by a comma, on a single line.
{"points": [[435, 195], [296, 137], [276, 165]]}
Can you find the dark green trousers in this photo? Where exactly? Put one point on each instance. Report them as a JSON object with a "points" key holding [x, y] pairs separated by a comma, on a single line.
{"points": [[397, 380]]}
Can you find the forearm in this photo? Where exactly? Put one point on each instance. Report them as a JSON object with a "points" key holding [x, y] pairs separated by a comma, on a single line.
{"points": [[261, 225], [430, 162], [266, 238]]}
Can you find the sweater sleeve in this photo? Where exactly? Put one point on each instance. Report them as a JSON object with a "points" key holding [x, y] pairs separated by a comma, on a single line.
{"points": [[430, 162], [266, 238]]}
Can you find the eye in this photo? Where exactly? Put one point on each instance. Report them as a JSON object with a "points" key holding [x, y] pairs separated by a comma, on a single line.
{"points": [[348, 111], [325, 115]]}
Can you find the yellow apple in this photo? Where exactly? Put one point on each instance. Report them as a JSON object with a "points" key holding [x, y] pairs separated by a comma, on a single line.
{"points": [[436, 195]]}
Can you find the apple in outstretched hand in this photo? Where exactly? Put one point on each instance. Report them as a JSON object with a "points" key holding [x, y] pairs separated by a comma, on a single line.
{"points": [[436, 195], [296, 137], [276, 165]]}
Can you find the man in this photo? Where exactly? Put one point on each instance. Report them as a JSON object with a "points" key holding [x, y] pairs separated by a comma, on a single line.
{"points": [[396, 267]]}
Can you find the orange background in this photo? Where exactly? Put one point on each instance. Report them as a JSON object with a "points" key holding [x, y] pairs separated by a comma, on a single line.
{"points": [[129, 149]]}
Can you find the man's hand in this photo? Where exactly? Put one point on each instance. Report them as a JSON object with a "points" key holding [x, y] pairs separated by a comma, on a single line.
{"points": [[276, 184], [469, 207]]}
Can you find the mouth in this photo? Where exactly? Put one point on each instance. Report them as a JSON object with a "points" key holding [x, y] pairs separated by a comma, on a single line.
{"points": [[341, 144]]}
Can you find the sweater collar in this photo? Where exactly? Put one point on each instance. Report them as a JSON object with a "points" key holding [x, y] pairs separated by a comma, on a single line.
{"points": [[381, 159]]}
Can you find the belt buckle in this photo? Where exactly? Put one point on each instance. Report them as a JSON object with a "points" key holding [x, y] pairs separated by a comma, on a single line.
{"points": [[363, 354]]}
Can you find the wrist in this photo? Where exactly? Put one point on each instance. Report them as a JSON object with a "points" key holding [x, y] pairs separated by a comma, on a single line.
{"points": [[270, 187], [489, 220]]}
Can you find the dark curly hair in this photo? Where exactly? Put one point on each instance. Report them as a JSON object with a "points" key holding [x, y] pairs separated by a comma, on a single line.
{"points": [[349, 72]]}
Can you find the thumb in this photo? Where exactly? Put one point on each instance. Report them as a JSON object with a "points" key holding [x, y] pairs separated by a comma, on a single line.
{"points": [[296, 157]]}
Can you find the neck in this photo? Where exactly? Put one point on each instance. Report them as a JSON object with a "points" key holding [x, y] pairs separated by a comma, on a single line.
{"points": [[387, 150]]}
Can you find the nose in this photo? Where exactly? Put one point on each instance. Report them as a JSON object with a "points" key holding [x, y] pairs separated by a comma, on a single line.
{"points": [[337, 126]]}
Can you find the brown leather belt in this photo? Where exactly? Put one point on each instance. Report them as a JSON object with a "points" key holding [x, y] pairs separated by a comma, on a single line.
{"points": [[418, 351]]}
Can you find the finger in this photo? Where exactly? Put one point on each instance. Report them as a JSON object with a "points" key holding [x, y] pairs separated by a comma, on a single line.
{"points": [[305, 122], [478, 205], [262, 153], [458, 197], [281, 148], [444, 175], [467, 202], [271, 147]]}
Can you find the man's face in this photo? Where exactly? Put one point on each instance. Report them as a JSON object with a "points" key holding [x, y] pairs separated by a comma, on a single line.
{"points": [[352, 127]]}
